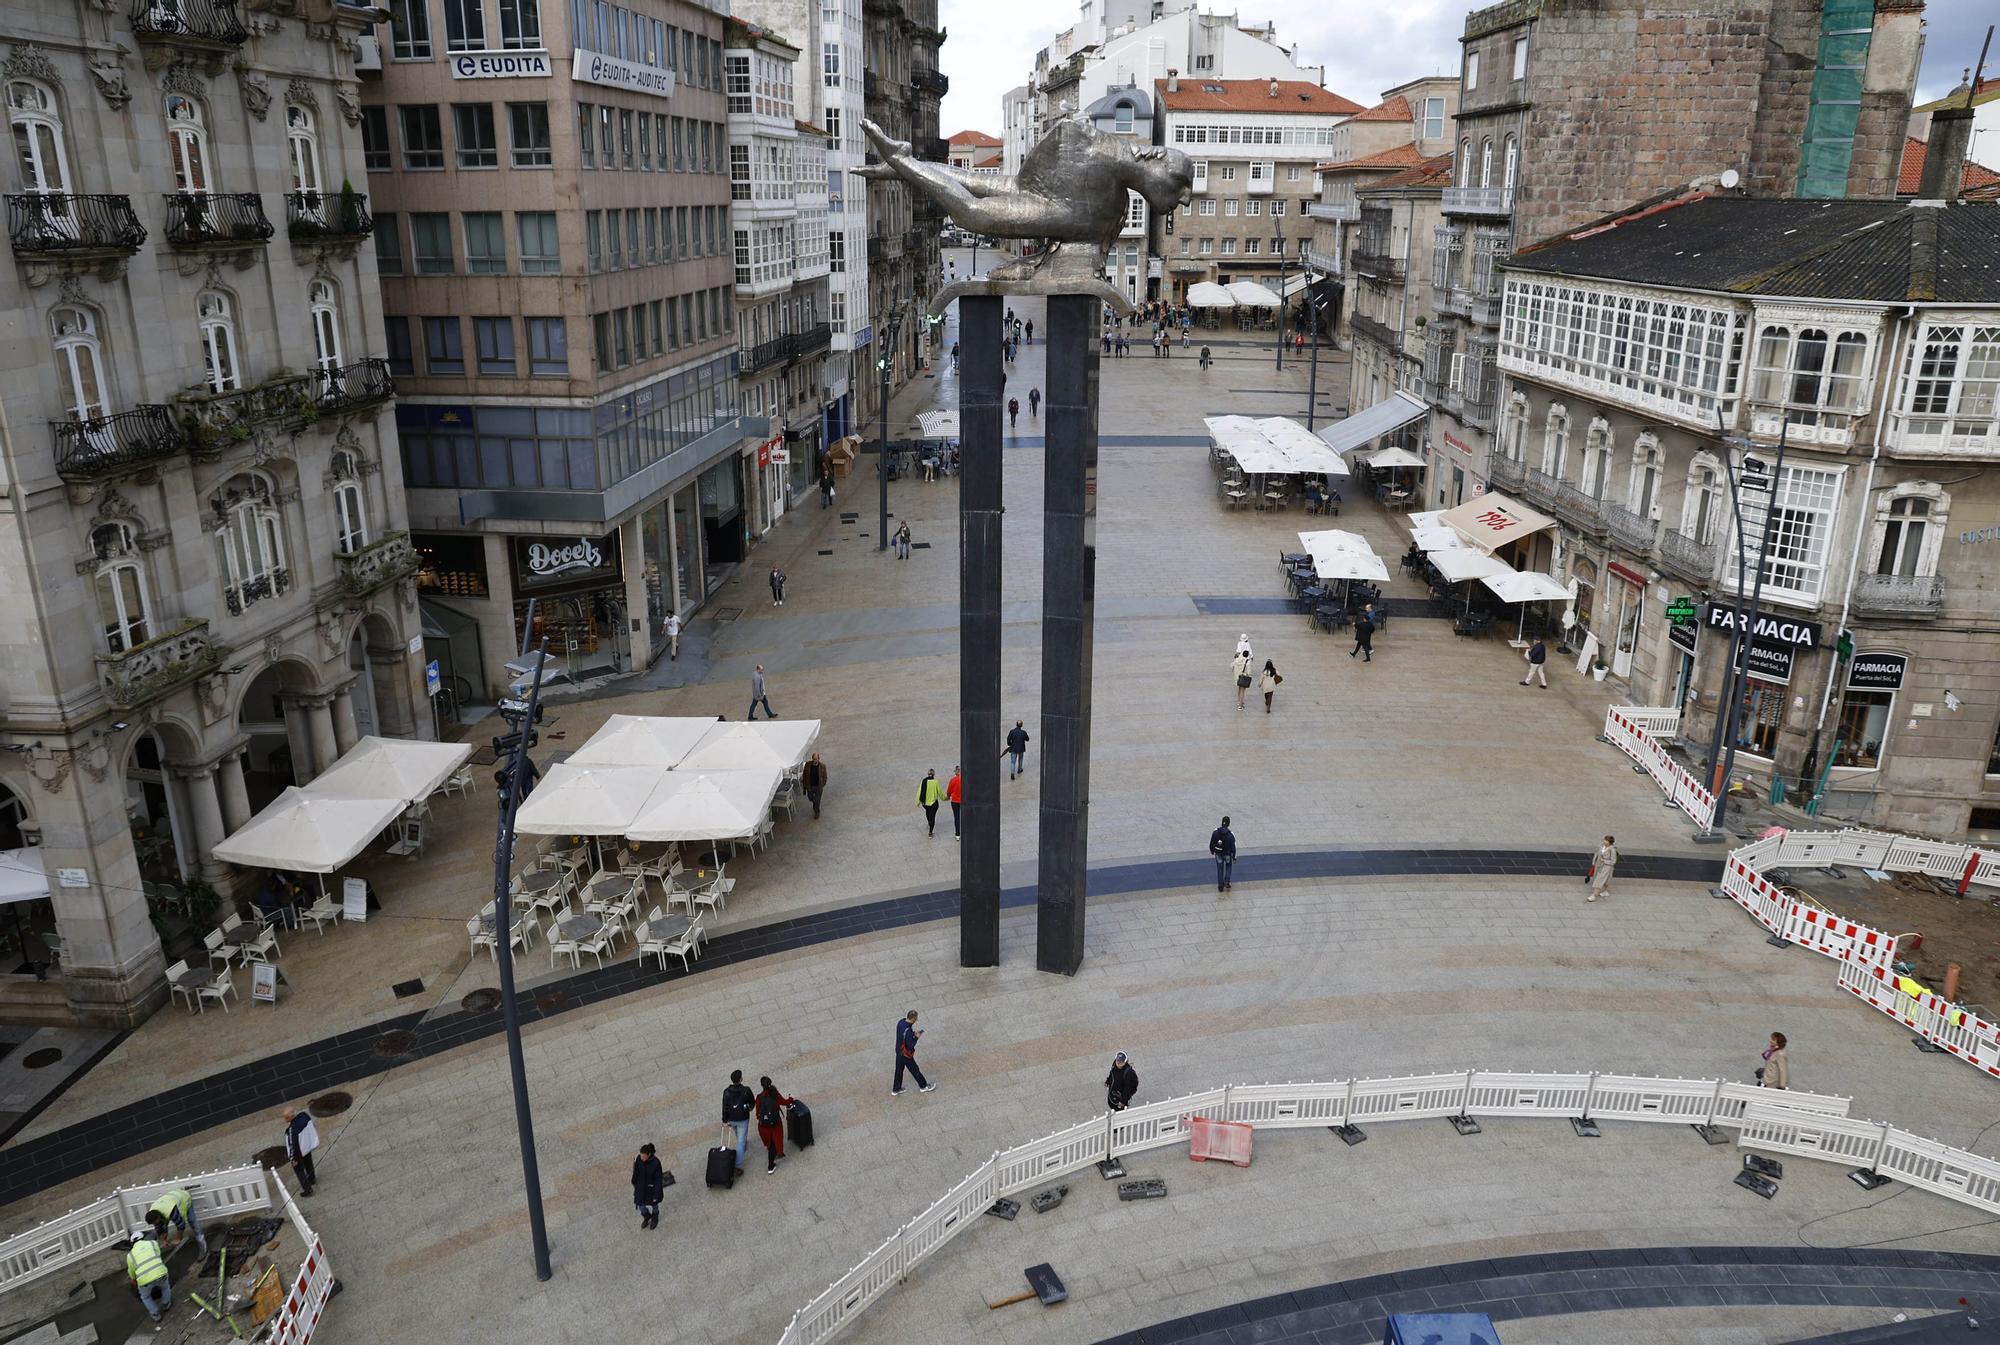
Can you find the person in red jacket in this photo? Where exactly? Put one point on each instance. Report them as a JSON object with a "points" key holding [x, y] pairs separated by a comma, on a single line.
{"points": [[954, 792], [769, 1110]]}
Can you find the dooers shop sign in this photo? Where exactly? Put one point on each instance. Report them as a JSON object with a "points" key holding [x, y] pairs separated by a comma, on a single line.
{"points": [[542, 562]]}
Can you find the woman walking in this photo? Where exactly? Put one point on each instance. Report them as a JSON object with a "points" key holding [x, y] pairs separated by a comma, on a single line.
{"points": [[1270, 683], [1602, 865], [1241, 667], [902, 540], [649, 1186], [770, 1111], [1776, 1071], [929, 795]]}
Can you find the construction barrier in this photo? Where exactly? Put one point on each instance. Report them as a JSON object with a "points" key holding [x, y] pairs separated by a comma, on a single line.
{"points": [[1641, 733], [1223, 1141], [1811, 1125]]}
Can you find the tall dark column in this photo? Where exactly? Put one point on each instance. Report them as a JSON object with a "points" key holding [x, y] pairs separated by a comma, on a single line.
{"points": [[1069, 590], [979, 399]]}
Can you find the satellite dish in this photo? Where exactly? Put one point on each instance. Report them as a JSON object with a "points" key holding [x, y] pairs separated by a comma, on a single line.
{"points": [[1730, 177]]}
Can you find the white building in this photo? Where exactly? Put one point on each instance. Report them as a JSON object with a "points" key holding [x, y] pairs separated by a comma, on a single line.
{"points": [[1019, 129]]}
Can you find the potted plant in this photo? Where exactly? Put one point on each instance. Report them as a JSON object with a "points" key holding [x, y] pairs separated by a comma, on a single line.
{"points": [[1598, 670]]}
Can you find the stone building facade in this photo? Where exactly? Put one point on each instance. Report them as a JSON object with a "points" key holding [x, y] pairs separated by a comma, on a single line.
{"points": [[1393, 309], [905, 248], [206, 584]]}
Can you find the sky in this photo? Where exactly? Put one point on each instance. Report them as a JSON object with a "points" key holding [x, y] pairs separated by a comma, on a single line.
{"points": [[1367, 47]]}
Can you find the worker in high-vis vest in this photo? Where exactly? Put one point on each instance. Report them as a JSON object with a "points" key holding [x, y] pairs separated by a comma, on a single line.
{"points": [[174, 1213], [147, 1269]]}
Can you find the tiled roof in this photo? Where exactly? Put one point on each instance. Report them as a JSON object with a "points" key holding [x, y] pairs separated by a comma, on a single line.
{"points": [[1396, 156], [976, 138], [1988, 90], [1432, 172], [1910, 177], [1389, 109], [1252, 95], [1868, 251]]}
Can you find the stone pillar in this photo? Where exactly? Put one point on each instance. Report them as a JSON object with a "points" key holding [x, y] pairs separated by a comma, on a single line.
{"points": [[298, 738], [979, 741], [632, 547], [319, 722], [198, 782], [235, 794], [345, 734], [1069, 586]]}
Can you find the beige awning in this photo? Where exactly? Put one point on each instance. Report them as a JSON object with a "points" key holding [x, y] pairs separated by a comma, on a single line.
{"points": [[1492, 520]]}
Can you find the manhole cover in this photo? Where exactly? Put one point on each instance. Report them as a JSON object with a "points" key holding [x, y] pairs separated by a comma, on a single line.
{"points": [[397, 1041], [41, 1059], [405, 989], [270, 1158], [330, 1104], [728, 613], [481, 1001], [552, 1002]]}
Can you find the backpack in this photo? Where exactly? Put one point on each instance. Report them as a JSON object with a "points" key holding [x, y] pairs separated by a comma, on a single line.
{"points": [[767, 1109]]}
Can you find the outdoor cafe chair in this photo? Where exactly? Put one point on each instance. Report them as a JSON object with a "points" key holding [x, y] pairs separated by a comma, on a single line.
{"points": [[648, 944], [761, 838], [262, 948], [219, 988], [217, 949], [480, 938], [181, 982], [686, 947], [559, 947], [715, 895], [596, 945], [410, 837], [322, 912], [787, 798]]}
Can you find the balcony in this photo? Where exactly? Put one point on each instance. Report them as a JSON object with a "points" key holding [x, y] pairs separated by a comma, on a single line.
{"points": [[1578, 508], [378, 563], [202, 25], [51, 226], [913, 240], [1541, 488], [352, 387], [1476, 409], [330, 217], [90, 450], [1378, 331], [1682, 555], [1632, 531], [1506, 473], [239, 598], [812, 340], [1326, 263], [1476, 306], [217, 220], [934, 148], [765, 354], [1261, 186], [930, 81], [145, 671], [1899, 597], [871, 86], [1478, 200], [1340, 212], [1378, 265]]}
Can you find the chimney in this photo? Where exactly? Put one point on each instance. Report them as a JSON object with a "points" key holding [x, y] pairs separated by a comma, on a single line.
{"points": [[1944, 154], [1173, 81], [1274, 89]]}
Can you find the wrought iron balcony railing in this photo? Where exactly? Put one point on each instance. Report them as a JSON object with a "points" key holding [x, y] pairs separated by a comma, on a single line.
{"points": [[813, 340], [380, 562], [1918, 596], [765, 354], [89, 450], [1506, 473], [240, 597], [209, 219], [1478, 200], [351, 387], [1541, 488], [1577, 507], [1632, 531], [930, 81], [1682, 555], [46, 225], [194, 22], [146, 671], [327, 215], [1378, 264]]}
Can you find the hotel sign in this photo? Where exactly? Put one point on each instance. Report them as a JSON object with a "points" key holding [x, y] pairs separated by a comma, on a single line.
{"points": [[500, 65], [593, 67]]}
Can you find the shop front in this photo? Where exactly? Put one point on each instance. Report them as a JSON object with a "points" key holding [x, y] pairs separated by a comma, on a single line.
{"points": [[577, 585], [801, 451], [1777, 662], [723, 544]]}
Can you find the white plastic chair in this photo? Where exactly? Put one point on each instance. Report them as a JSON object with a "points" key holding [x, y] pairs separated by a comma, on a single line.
{"points": [[596, 945], [263, 948], [481, 939], [714, 896], [218, 951], [323, 912], [685, 947], [219, 989], [761, 838], [232, 934], [559, 947], [179, 983]]}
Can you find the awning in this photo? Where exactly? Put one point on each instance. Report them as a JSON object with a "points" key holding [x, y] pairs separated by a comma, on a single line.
{"points": [[777, 744], [1294, 283], [391, 768], [1394, 456], [1307, 451], [1492, 520], [588, 800], [642, 740], [1253, 295], [1425, 518], [21, 876], [1398, 410], [711, 806], [312, 833], [938, 424], [1208, 294], [1455, 564], [1527, 586]]}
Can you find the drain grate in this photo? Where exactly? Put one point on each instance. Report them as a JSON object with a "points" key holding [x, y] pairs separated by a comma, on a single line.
{"points": [[920, 546], [827, 552], [405, 989], [728, 613], [330, 1104], [481, 1001], [396, 1041], [42, 1059], [847, 517]]}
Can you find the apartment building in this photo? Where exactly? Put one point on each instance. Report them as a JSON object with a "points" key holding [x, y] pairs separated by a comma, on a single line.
{"points": [[1019, 129], [903, 88], [976, 152], [555, 243], [1650, 362], [778, 220], [1131, 266], [1254, 144], [1394, 318], [206, 585]]}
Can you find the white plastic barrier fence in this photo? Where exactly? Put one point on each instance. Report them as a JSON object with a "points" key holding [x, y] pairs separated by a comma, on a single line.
{"points": [[1160, 1125], [1641, 733], [1949, 1028], [109, 1220], [306, 1298]]}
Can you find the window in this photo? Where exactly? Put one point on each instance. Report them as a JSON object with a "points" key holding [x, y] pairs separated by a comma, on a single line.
{"points": [[187, 144], [219, 366], [485, 243], [1253, 208], [388, 245], [1701, 507], [1514, 430], [410, 30], [600, 329], [1464, 173], [1797, 521], [1251, 246], [1950, 398], [350, 508], [323, 306], [1277, 207], [1122, 119], [625, 147], [1486, 163], [478, 147], [1816, 377], [586, 140], [1512, 165], [645, 142], [302, 147], [396, 344], [1231, 206], [632, 236], [829, 62], [464, 25], [1471, 71], [1596, 458], [1229, 247], [1863, 728], [1520, 58], [548, 346], [444, 349], [375, 156], [423, 137], [249, 541], [541, 255], [1433, 127], [430, 242], [521, 24], [1643, 497], [1671, 355], [79, 362], [494, 339], [120, 582], [1207, 247], [1555, 442], [1909, 526], [614, 240], [528, 125], [1207, 207], [1228, 173]]}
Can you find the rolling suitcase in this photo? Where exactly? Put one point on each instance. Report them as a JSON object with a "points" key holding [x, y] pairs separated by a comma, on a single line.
{"points": [[799, 1126], [722, 1166]]}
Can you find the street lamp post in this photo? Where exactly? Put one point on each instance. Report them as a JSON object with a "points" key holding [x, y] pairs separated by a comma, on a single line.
{"points": [[1280, 241], [1312, 386], [883, 363]]}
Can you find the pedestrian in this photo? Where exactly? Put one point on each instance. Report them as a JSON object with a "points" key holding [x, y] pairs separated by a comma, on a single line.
{"points": [[777, 587], [1222, 844], [928, 795], [1243, 644], [1298, 342], [301, 1138], [1124, 346], [674, 636], [1034, 403], [757, 696], [1107, 340], [1010, 317], [902, 540], [1538, 658], [736, 1100], [173, 1215], [826, 487], [954, 355], [1167, 342], [1240, 666], [1156, 345], [1270, 683], [147, 1270], [1206, 359], [1364, 634], [1776, 1071], [1602, 865], [649, 1186], [954, 792], [1017, 750], [1031, 331], [813, 778], [1121, 1085], [1013, 411], [907, 1033], [771, 1106]]}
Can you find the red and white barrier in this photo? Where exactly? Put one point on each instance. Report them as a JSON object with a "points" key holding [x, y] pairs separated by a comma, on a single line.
{"points": [[1641, 733]]}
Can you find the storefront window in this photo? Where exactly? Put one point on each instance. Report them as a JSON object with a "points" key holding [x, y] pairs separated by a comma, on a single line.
{"points": [[1761, 716], [653, 546], [1864, 728], [687, 549], [451, 565], [1585, 574]]}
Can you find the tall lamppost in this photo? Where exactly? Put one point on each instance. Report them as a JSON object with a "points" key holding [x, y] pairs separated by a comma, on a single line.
{"points": [[884, 362], [1279, 242], [1312, 386]]}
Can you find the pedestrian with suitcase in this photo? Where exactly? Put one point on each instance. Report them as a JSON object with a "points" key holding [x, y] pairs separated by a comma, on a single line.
{"points": [[907, 1033], [1121, 1085], [771, 1105], [737, 1100], [649, 1186]]}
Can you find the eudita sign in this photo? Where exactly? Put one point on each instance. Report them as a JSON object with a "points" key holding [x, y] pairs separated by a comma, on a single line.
{"points": [[549, 560], [1769, 650], [596, 68], [501, 65]]}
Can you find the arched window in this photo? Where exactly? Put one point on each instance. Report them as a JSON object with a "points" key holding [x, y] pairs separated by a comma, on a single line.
{"points": [[218, 341], [1597, 458], [187, 144], [1486, 163], [1122, 122], [1701, 507], [1644, 496], [79, 362], [249, 541], [120, 581], [325, 307], [1817, 375], [350, 508], [1465, 161], [38, 138], [1514, 440], [302, 141], [1512, 164], [1555, 441], [1909, 528]]}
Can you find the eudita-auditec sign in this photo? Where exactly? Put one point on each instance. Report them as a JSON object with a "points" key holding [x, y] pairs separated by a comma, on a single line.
{"points": [[500, 65], [541, 562], [1771, 648]]}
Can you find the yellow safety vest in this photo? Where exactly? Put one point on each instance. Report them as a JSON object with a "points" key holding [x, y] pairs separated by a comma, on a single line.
{"points": [[172, 1206], [144, 1263]]}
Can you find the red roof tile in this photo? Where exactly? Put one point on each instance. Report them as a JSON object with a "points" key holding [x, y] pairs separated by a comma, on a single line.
{"points": [[1396, 156], [1910, 177], [1433, 172], [1390, 109], [1252, 95], [976, 138]]}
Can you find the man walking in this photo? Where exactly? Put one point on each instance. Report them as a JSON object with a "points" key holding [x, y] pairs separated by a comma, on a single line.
{"points": [[1538, 657], [928, 795], [1222, 844], [736, 1100], [1121, 1085], [1017, 750], [777, 587], [825, 487], [757, 696], [1034, 403], [907, 1033], [1364, 634], [1013, 411], [301, 1138], [813, 777], [1031, 331], [954, 792], [674, 635]]}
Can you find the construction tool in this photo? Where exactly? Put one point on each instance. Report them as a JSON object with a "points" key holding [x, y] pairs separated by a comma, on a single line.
{"points": [[1043, 1283]]}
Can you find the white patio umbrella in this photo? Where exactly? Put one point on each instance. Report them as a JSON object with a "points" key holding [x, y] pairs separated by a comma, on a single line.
{"points": [[312, 833], [21, 876], [382, 768], [706, 806], [1208, 294], [1524, 587], [1249, 292], [1394, 456], [771, 744], [1460, 563], [661, 741], [1350, 565], [1425, 518], [1335, 539], [938, 424], [587, 800], [1436, 539]]}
